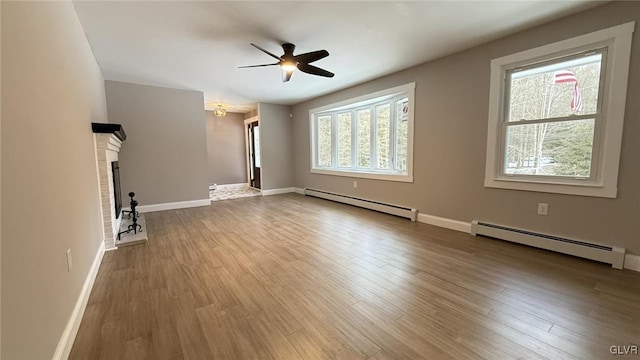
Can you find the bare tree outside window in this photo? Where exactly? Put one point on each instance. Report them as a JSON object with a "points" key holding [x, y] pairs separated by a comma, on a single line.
{"points": [[402, 133], [344, 139], [364, 138], [324, 141], [383, 127]]}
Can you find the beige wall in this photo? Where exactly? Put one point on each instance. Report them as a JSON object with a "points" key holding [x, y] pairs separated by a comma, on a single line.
{"points": [[52, 90], [250, 114], [226, 149], [164, 158], [451, 111], [276, 146]]}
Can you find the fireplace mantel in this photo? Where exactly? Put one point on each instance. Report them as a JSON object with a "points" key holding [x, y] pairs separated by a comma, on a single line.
{"points": [[115, 129]]}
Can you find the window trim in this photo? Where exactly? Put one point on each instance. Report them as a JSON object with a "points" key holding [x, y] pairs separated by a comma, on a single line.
{"points": [[348, 105], [617, 40]]}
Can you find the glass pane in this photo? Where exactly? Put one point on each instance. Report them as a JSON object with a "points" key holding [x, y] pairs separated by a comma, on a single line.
{"points": [[344, 140], [561, 89], [364, 138], [402, 131], [551, 149], [324, 141], [256, 140], [383, 127]]}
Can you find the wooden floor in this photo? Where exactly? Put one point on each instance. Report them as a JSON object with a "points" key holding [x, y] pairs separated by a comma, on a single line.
{"points": [[292, 277]]}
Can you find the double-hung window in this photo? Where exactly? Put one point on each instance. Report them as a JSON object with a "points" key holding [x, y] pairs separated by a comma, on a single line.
{"points": [[368, 137], [556, 115]]}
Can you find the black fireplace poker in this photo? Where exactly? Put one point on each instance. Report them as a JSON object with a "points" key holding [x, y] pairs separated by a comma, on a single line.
{"points": [[134, 226]]}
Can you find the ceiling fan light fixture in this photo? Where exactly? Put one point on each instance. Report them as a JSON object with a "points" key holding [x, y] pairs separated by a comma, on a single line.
{"points": [[288, 66], [219, 111]]}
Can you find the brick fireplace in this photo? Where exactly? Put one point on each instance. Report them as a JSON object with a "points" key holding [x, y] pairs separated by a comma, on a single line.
{"points": [[108, 140]]}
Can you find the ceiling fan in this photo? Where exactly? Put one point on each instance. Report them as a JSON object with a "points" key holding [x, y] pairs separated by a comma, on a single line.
{"points": [[289, 62]]}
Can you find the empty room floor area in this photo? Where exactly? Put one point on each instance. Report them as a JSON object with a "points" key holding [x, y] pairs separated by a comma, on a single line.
{"points": [[305, 278]]}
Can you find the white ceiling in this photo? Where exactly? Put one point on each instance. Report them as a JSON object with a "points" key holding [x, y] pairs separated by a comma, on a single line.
{"points": [[199, 45]]}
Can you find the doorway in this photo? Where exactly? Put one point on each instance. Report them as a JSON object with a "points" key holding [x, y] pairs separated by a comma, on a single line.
{"points": [[253, 155]]}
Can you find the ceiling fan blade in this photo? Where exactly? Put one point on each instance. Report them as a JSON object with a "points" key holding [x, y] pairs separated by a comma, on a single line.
{"points": [[251, 66], [313, 70], [265, 51], [286, 75], [311, 56]]}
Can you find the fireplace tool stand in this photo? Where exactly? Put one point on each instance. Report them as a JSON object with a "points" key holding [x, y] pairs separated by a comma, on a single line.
{"points": [[133, 209], [135, 227]]}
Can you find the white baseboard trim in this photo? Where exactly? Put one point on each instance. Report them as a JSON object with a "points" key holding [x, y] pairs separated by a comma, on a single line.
{"points": [[71, 330], [228, 186], [277, 191], [298, 190], [632, 262], [445, 223], [171, 206]]}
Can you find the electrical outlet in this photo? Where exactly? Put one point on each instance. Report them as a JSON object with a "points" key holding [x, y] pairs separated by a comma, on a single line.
{"points": [[355, 184], [69, 261], [543, 209]]}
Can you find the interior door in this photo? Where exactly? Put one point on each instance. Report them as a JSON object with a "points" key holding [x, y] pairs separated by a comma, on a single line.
{"points": [[254, 154]]}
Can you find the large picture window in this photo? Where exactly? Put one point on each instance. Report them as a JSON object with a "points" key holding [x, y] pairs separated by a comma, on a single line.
{"points": [[369, 137], [556, 114]]}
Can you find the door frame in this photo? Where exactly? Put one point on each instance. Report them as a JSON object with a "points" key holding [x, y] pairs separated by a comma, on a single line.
{"points": [[247, 122]]}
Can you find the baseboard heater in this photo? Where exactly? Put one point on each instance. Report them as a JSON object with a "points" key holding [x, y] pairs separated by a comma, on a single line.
{"points": [[603, 253], [397, 210]]}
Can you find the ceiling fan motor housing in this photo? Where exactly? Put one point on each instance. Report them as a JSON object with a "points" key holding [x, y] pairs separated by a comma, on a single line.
{"points": [[288, 49]]}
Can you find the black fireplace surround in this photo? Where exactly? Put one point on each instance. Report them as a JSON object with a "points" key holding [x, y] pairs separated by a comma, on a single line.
{"points": [[117, 193]]}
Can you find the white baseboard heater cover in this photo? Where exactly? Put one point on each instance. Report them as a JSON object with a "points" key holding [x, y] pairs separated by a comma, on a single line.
{"points": [[397, 210], [603, 253]]}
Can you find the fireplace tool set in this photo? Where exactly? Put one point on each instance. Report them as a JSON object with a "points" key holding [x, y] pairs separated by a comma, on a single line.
{"points": [[133, 215]]}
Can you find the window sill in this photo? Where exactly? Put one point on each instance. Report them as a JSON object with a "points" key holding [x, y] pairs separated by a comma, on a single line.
{"points": [[365, 175], [586, 189]]}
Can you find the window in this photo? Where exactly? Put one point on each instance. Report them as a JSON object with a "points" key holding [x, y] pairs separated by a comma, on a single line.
{"points": [[368, 137], [556, 115]]}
